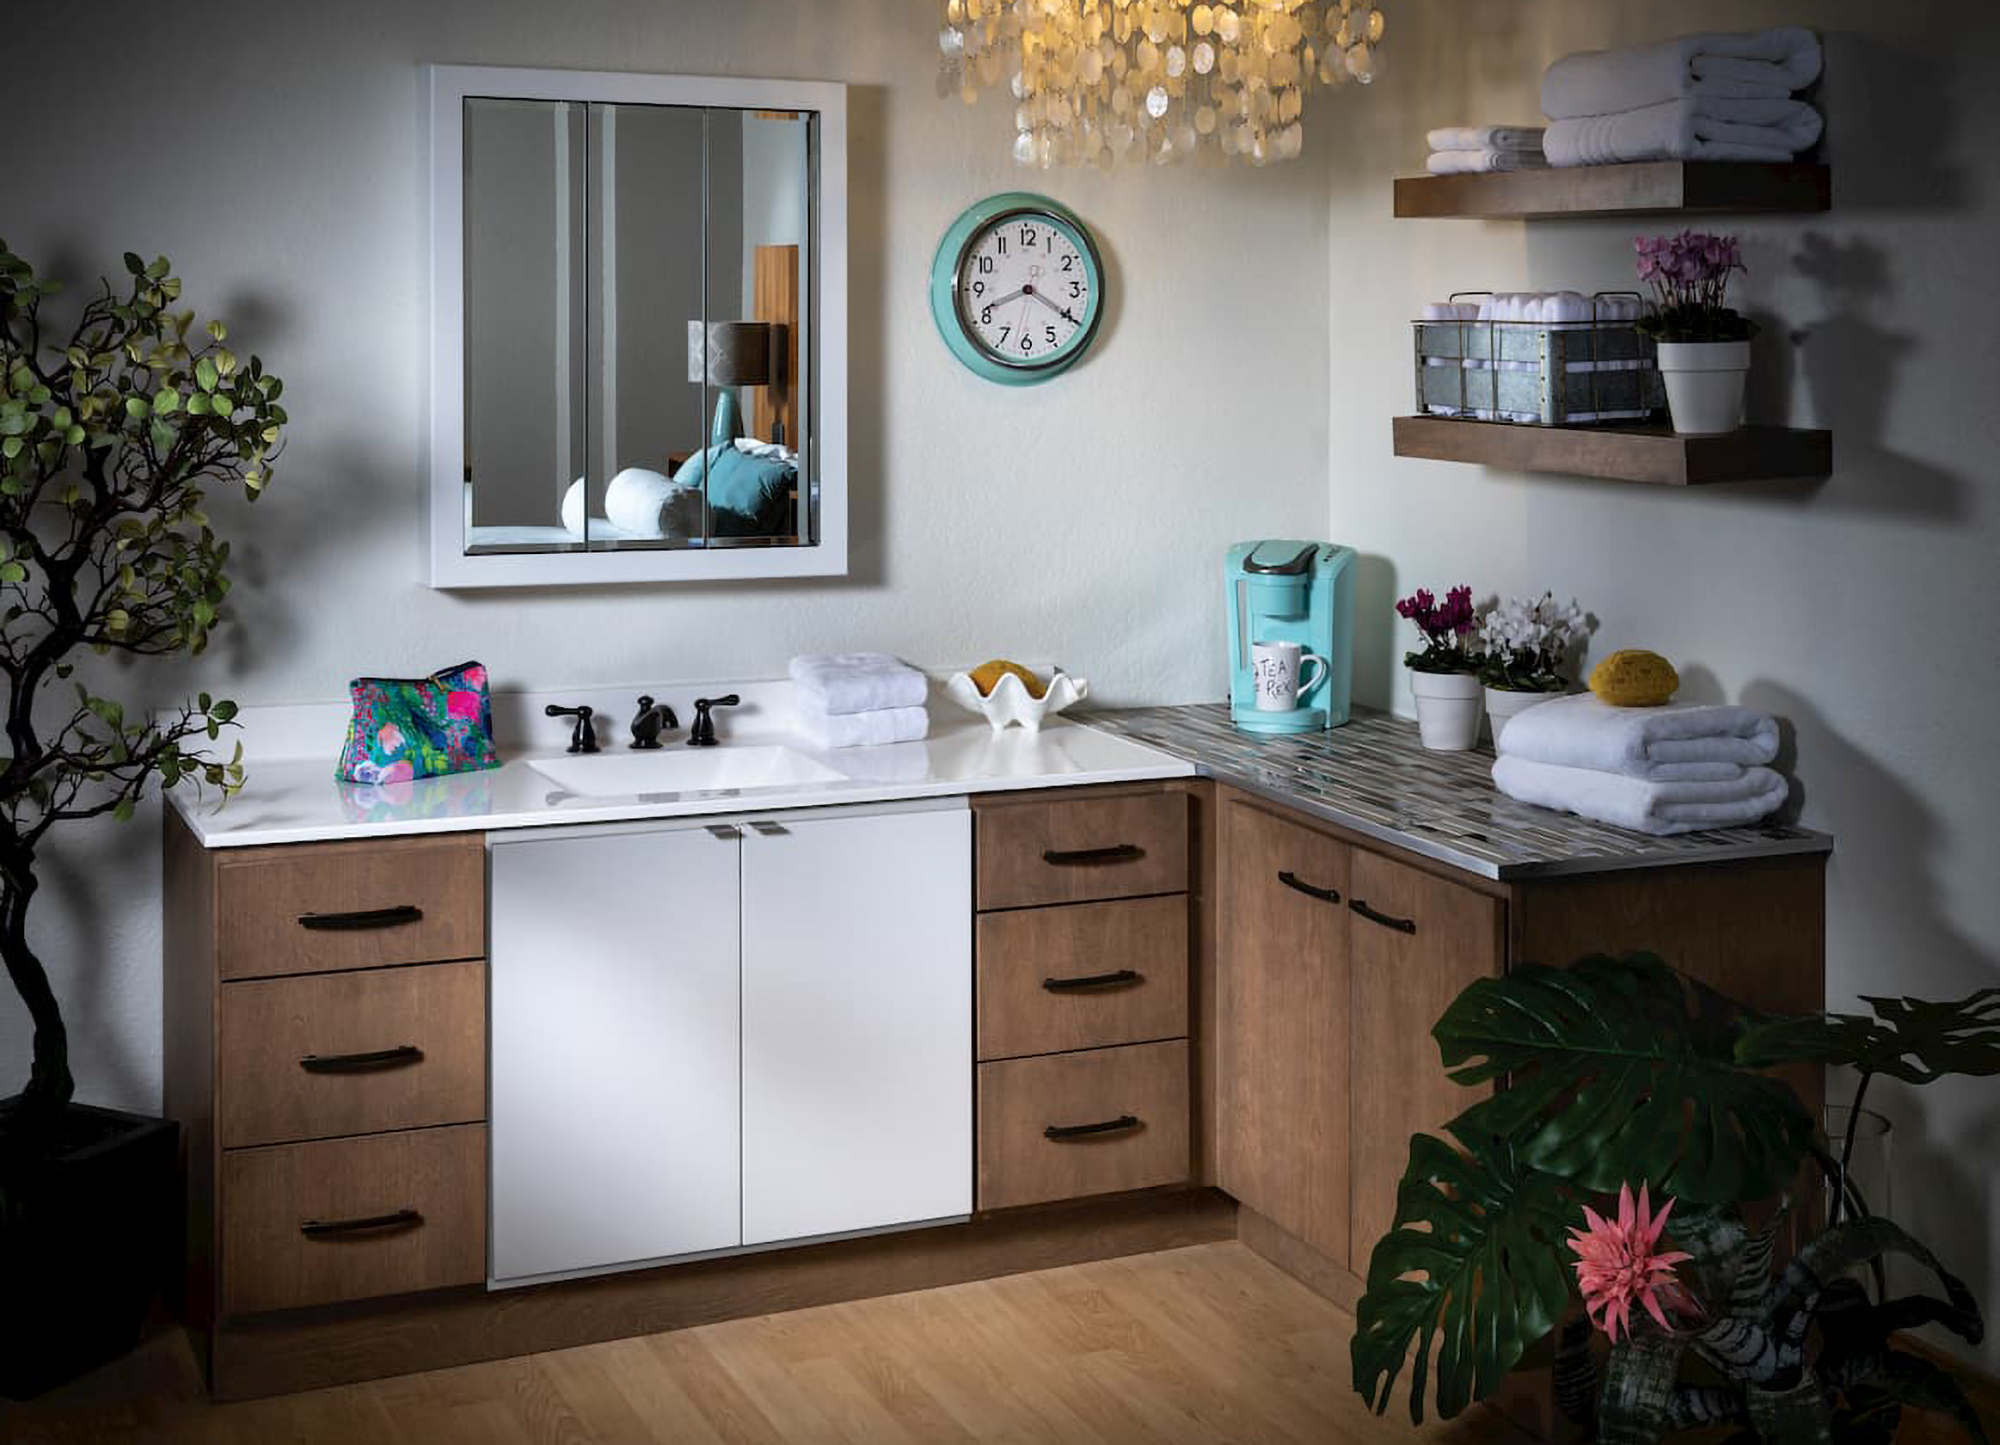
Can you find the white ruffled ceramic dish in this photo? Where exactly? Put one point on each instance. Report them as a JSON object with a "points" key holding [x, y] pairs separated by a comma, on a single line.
{"points": [[1011, 702]]}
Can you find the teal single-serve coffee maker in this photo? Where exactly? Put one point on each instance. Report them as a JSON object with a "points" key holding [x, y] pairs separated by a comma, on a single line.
{"points": [[1300, 593]]}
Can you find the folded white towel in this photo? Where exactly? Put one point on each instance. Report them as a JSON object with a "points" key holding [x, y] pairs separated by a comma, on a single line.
{"points": [[1475, 162], [1767, 63], [1485, 138], [1678, 742], [1700, 128], [864, 729], [1648, 806], [848, 682]]}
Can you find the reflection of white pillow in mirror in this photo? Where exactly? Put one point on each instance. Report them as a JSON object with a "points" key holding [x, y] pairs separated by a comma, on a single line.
{"points": [[575, 508], [637, 502], [751, 446]]}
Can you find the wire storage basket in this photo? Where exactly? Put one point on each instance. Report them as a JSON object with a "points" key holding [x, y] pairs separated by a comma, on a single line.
{"points": [[1593, 369]]}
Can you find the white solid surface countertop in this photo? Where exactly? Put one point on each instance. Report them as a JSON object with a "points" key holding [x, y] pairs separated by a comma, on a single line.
{"points": [[298, 800]]}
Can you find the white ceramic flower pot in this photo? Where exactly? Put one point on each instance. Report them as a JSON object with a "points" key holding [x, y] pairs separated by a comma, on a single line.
{"points": [[1705, 384], [1447, 709], [1503, 704]]}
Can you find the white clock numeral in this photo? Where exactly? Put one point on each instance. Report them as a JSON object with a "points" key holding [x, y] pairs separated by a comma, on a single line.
{"points": [[1024, 290]]}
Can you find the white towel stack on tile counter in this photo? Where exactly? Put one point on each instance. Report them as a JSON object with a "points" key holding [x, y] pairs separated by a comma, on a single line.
{"points": [[1710, 97], [1457, 149], [1672, 769], [859, 699]]}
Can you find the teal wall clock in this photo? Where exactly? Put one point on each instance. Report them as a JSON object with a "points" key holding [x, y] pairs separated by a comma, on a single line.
{"points": [[1017, 288]]}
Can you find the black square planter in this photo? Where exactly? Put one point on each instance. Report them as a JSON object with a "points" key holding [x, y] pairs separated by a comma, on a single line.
{"points": [[86, 1232]]}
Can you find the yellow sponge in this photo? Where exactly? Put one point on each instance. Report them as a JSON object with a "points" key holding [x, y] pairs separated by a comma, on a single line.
{"points": [[987, 676], [1634, 677]]}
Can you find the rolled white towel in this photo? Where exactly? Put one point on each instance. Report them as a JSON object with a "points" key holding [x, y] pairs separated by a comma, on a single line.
{"points": [[1485, 138], [856, 682], [864, 729], [640, 503], [1648, 806], [1696, 129], [1451, 311], [1475, 162], [1764, 63], [1677, 742]]}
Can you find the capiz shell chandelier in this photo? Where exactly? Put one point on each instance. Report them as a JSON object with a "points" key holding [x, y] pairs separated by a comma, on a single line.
{"points": [[1099, 82]]}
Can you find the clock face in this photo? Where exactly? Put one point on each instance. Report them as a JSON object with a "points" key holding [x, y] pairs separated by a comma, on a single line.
{"points": [[1025, 289], [1016, 288]]}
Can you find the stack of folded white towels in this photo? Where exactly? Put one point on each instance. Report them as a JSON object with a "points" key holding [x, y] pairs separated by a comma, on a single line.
{"points": [[1712, 97], [1677, 768], [1458, 149], [859, 699]]}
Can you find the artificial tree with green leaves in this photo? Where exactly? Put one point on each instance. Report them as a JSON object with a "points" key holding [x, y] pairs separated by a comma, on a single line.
{"points": [[1621, 1072], [109, 436]]}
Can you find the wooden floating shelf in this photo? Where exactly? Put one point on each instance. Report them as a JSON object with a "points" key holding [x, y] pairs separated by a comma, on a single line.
{"points": [[1685, 187], [1626, 454]]}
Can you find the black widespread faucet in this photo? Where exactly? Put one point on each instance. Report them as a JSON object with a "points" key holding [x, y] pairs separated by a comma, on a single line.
{"points": [[583, 738], [652, 720], [702, 734]]}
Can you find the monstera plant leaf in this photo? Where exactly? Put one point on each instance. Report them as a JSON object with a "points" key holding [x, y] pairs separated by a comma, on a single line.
{"points": [[1473, 1269], [1621, 1069], [1909, 1039]]}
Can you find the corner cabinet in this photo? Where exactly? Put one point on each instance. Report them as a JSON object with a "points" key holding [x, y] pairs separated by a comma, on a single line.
{"points": [[714, 1035], [1337, 954]]}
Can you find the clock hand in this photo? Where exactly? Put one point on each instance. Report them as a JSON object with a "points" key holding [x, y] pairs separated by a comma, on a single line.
{"points": [[1003, 300], [1048, 303]]}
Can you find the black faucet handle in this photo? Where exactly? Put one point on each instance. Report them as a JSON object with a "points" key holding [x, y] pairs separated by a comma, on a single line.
{"points": [[702, 734], [583, 737]]}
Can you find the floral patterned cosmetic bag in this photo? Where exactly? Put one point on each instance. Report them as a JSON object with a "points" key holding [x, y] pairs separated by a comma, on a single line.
{"points": [[406, 728]]}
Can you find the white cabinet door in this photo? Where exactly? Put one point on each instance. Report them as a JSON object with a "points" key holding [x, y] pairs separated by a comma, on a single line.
{"points": [[615, 1039], [857, 1022]]}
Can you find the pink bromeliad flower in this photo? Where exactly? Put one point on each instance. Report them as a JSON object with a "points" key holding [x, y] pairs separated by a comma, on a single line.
{"points": [[1619, 1264]]}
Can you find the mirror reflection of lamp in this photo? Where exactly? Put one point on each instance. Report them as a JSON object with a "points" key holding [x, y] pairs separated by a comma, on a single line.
{"points": [[735, 353]]}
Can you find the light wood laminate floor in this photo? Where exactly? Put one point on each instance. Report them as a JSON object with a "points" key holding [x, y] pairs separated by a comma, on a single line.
{"points": [[1202, 1344]]}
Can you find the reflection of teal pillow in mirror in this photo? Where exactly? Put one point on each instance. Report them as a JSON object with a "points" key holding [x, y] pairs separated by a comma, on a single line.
{"points": [[749, 496]]}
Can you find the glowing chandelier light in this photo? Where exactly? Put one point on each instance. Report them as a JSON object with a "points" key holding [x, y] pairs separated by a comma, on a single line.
{"points": [[1098, 82]]}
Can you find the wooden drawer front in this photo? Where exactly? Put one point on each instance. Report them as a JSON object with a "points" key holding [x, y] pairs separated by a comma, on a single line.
{"points": [[1020, 1100], [1071, 850], [1082, 976], [427, 1187], [352, 1053], [326, 906]]}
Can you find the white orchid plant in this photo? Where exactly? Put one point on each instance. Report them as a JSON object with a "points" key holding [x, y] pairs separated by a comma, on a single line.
{"points": [[1528, 643]]}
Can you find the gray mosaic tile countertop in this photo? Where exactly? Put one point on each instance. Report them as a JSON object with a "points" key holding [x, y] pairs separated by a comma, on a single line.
{"points": [[1374, 777]]}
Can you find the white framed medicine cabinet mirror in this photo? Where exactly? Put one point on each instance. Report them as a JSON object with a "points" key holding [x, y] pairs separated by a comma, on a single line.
{"points": [[638, 328]]}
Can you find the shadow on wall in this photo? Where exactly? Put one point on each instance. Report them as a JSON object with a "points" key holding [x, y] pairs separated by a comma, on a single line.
{"points": [[1885, 901], [1851, 364], [1875, 97], [1377, 660]]}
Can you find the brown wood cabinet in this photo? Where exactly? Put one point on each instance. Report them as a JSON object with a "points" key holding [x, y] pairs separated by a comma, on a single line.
{"points": [[1083, 993], [326, 1058], [1336, 954], [1282, 1053]]}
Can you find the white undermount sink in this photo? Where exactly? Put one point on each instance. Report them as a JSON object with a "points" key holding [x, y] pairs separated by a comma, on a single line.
{"points": [[684, 770]]}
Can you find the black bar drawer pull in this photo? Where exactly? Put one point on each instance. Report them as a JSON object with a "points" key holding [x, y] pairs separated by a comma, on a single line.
{"points": [[1093, 980], [1060, 1132], [1071, 857], [368, 1224], [362, 1063], [1292, 880], [362, 918], [1401, 925]]}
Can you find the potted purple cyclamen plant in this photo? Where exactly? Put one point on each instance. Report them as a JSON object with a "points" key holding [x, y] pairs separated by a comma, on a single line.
{"points": [[1704, 346], [1444, 675]]}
